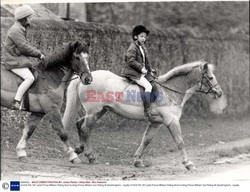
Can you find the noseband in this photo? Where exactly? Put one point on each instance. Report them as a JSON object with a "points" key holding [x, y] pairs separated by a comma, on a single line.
{"points": [[207, 80]]}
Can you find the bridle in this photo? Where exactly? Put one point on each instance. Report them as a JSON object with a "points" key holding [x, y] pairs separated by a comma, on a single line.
{"points": [[207, 78], [200, 90], [79, 74]]}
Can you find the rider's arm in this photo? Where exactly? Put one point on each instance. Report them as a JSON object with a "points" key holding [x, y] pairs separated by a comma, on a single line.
{"points": [[23, 46], [131, 60]]}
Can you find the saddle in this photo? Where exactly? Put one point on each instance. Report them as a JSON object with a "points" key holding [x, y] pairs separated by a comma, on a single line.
{"points": [[151, 79]]}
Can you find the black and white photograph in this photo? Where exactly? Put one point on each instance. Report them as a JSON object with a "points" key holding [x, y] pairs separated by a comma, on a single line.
{"points": [[127, 95]]}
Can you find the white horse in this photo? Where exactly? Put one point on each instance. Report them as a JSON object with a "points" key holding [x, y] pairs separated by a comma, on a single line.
{"points": [[111, 92]]}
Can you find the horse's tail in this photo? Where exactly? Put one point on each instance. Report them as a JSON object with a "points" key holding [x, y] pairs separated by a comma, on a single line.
{"points": [[72, 105]]}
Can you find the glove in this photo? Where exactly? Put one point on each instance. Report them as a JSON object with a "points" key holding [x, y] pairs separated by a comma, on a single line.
{"points": [[42, 57], [144, 70]]}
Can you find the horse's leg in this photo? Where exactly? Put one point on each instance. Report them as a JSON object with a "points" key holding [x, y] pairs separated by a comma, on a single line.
{"points": [[84, 127], [30, 125], [55, 119], [149, 134], [175, 130], [79, 149]]}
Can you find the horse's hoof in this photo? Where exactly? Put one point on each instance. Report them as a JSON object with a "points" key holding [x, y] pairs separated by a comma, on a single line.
{"points": [[93, 160], [76, 161], [78, 150], [189, 165], [23, 159], [139, 164]]}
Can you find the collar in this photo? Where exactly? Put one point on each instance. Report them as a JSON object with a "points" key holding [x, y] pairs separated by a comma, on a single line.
{"points": [[22, 27], [137, 43]]}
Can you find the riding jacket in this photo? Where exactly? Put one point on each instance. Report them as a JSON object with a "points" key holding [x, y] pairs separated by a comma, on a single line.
{"points": [[134, 61], [17, 50]]}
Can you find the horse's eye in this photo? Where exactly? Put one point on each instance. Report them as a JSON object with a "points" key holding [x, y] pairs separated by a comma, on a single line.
{"points": [[77, 58]]}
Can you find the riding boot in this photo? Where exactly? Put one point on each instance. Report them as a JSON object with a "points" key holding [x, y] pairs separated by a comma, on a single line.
{"points": [[147, 105], [16, 105]]}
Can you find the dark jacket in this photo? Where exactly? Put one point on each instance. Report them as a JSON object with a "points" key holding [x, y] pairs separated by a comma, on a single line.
{"points": [[134, 62], [17, 50]]}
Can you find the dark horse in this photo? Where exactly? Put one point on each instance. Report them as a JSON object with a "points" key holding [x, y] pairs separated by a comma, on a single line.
{"points": [[45, 97]]}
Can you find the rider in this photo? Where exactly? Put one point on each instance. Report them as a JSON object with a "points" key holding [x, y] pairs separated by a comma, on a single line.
{"points": [[17, 51], [138, 66]]}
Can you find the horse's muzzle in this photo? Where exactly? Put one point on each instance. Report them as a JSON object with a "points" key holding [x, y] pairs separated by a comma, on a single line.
{"points": [[217, 93], [88, 80]]}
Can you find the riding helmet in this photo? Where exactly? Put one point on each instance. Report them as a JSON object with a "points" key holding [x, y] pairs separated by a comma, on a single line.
{"points": [[23, 11], [139, 29]]}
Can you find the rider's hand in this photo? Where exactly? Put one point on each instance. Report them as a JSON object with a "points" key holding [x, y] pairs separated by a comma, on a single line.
{"points": [[42, 57], [144, 70]]}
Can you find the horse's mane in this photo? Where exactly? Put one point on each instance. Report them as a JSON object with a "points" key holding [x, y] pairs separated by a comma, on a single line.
{"points": [[179, 70], [61, 56]]}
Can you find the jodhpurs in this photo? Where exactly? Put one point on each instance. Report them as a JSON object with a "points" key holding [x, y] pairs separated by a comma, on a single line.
{"points": [[144, 83], [28, 80]]}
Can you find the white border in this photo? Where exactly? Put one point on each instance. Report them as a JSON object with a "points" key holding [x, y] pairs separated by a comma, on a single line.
{"points": [[93, 1]]}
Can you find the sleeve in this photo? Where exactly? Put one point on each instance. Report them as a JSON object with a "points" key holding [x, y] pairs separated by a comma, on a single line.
{"points": [[22, 65], [149, 66], [131, 60], [22, 45]]}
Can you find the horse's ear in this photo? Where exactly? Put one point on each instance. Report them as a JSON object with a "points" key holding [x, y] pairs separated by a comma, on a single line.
{"points": [[76, 44], [205, 66], [88, 43]]}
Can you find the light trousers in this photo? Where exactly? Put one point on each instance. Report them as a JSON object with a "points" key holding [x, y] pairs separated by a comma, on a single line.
{"points": [[144, 83], [28, 77]]}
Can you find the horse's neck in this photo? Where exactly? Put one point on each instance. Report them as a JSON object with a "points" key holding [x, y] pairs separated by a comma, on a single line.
{"points": [[181, 87], [59, 77], [68, 73]]}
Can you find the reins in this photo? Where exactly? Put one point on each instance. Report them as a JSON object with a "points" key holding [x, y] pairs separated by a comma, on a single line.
{"points": [[210, 90], [65, 80], [80, 76], [71, 79], [179, 92], [196, 92]]}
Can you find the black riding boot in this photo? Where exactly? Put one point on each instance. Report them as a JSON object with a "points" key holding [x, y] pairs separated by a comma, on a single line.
{"points": [[147, 105], [16, 105]]}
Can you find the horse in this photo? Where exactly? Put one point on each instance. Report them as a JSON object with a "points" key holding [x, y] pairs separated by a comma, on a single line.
{"points": [[110, 92], [45, 96]]}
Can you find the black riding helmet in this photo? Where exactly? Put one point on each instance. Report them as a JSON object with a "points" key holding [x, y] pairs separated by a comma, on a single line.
{"points": [[139, 29]]}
